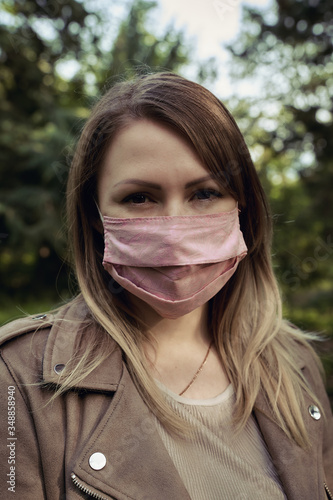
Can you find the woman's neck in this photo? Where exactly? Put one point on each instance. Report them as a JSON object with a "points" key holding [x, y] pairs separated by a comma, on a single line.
{"points": [[179, 348], [191, 328]]}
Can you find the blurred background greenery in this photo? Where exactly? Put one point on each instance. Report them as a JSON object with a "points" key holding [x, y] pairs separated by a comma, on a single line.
{"points": [[54, 64]]}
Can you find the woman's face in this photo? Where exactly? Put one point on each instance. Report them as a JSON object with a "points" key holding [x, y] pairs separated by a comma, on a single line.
{"points": [[149, 170]]}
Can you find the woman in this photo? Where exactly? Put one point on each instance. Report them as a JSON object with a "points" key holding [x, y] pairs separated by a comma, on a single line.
{"points": [[172, 374]]}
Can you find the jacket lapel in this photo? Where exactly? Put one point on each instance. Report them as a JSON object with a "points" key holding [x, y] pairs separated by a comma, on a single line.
{"points": [[137, 464], [294, 465]]}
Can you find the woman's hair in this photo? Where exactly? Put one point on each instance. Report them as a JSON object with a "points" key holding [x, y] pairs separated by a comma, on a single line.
{"points": [[257, 348]]}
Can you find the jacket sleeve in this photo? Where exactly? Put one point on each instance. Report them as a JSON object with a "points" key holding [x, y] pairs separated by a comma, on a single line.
{"points": [[20, 466]]}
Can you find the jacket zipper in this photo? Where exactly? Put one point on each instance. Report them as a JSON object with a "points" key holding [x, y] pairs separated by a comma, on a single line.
{"points": [[99, 497], [328, 493], [84, 488]]}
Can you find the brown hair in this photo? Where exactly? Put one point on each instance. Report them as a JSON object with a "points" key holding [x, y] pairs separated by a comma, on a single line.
{"points": [[257, 348]]}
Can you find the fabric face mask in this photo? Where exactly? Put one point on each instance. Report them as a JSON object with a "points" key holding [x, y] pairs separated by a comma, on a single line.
{"points": [[176, 263]]}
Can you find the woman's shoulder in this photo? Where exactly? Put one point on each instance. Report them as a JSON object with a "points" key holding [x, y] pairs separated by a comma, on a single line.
{"points": [[306, 355], [39, 347], [22, 346], [301, 350], [300, 346], [23, 326], [70, 315], [35, 341], [22, 343], [20, 331]]}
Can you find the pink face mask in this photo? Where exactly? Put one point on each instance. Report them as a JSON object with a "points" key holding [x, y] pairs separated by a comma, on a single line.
{"points": [[176, 263]]}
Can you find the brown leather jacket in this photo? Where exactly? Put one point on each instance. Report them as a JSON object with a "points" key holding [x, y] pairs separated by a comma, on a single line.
{"points": [[48, 451]]}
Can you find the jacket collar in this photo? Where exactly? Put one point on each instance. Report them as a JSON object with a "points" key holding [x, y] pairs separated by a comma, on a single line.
{"points": [[66, 337], [291, 461]]}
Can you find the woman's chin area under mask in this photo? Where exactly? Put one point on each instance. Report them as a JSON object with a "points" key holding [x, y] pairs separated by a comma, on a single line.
{"points": [[189, 325]]}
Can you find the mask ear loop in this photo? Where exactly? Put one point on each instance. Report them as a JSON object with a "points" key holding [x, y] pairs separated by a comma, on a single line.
{"points": [[100, 214]]}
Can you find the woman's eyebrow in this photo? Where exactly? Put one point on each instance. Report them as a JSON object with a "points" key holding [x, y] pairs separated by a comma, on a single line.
{"points": [[139, 182], [201, 179], [152, 185]]}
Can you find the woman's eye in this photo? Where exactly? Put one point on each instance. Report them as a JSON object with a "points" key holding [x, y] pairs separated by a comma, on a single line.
{"points": [[137, 198], [207, 194]]}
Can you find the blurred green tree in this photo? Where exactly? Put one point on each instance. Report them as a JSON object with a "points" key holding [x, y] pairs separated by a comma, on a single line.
{"points": [[287, 52], [37, 117]]}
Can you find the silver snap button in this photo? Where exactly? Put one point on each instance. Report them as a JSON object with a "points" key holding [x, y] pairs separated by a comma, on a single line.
{"points": [[59, 368], [40, 316], [97, 461], [314, 412]]}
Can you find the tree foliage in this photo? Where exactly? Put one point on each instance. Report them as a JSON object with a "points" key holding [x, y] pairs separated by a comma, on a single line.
{"points": [[287, 53]]}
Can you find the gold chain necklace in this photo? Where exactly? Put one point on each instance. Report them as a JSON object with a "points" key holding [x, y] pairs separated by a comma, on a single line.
{"points": [[198, 371]]}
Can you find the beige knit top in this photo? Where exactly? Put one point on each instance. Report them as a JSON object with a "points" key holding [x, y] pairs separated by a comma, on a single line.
{"points": [[214, 463]]}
